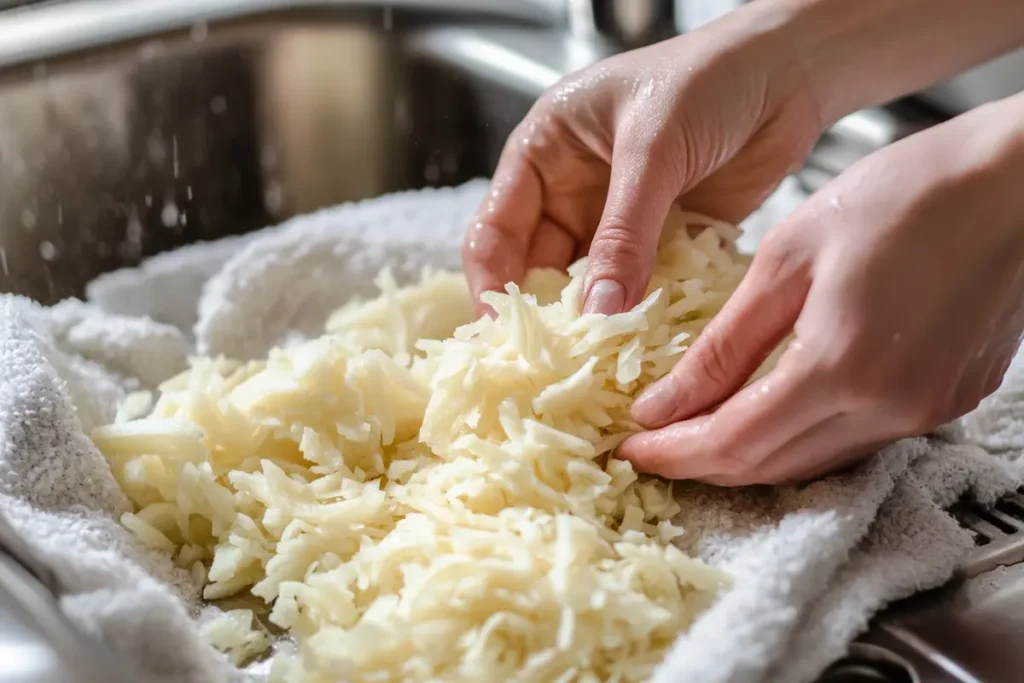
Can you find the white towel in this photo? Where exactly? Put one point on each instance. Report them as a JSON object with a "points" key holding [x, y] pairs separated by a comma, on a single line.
{"points": [[811, 563]]}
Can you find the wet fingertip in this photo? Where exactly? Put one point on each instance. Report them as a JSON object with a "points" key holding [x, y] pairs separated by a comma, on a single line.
{"points": [[655, 406], [632, 450]]}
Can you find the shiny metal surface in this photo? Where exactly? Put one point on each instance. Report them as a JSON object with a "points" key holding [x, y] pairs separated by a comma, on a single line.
{"points": [[858, 135], [969, 631], [999, 533], [37, 643], [627, 23], [169, 130]]}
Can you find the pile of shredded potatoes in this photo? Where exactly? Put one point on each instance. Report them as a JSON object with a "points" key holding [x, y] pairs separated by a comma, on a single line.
{"points": [[425, 503]]}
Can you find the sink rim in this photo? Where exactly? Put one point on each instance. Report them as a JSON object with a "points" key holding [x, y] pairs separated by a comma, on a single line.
{"points": [[39, 32]]}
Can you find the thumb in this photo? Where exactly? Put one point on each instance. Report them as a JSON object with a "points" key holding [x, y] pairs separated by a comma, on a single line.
{"points": [[642, 187], [759, 314]]}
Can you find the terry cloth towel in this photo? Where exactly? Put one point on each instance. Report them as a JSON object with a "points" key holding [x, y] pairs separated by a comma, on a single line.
{"points": [[811, 563]]}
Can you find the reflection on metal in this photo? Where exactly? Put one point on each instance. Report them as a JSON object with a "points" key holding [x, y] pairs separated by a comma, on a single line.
{"points": [[967, 632], [38, 644], [627, 23], [856, 136], [998, 532], [41, 31], [489, 59], [223, 126]]}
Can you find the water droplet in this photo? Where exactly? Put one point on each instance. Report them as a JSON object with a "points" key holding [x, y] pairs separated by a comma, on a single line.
{"points": [[647, 90], [170, 214], [48, 251], [149, 200], [128, 250], [268, 157], [199, 32], [28, 219], [148, 51], [3, 261], [896, 338], [188, 192], [219, 104], [133, 231], [450, 163], [273, 197], [156, 148], [174, 154]]}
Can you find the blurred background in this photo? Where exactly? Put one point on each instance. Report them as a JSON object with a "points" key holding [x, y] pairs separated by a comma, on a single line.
{"points": [[129, 127]]}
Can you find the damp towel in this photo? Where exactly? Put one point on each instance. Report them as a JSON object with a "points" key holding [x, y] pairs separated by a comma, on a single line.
{"points": [[811, 563]]}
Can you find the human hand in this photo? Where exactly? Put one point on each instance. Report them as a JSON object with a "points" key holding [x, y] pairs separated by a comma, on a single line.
{"points": [[714, 119], [903, 281]]}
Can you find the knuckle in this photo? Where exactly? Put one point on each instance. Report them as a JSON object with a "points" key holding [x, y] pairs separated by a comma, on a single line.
{"points": [[773, 246], [661, 462], [735, 464], [662, 151], [858, 383], [731, 459], [616, 245], [714, 359], [775, 251]]}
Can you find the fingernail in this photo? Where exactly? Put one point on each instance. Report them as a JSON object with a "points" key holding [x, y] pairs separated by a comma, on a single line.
{"points": [[606, 296], [485, 311], [654, 407]]}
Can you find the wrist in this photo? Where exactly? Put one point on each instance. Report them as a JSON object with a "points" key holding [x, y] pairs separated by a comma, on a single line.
{"points": [[860, 54], [758, 36], [979, 157], [999, 140]]}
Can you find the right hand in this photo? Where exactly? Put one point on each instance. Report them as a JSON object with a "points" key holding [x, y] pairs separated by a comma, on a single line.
{"points": [[713, 120]]}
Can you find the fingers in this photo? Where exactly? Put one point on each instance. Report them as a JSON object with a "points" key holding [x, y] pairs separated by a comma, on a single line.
{"points": [[552, 246], [743, 433], [642, 187], [498, 241], [827, 447], [752, 323]]}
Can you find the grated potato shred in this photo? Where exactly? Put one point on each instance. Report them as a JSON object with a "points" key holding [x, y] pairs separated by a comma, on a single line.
{"points": [[421, 497]]}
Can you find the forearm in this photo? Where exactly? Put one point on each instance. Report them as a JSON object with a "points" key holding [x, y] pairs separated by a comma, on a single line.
{"points": [[858, 53], [998, 136]]}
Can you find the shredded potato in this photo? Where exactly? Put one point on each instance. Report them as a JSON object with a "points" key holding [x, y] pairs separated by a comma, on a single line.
{"points": [[425, 498], [232, 632]]}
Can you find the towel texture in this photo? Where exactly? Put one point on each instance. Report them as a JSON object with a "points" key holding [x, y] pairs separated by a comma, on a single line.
{"points": [[811, 563]]}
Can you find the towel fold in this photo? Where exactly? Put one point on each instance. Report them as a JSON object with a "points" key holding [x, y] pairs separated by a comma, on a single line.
{"points": [[811, 563]]}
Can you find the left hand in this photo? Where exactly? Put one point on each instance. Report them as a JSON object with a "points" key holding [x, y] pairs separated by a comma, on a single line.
{"points": [[903, 281]]}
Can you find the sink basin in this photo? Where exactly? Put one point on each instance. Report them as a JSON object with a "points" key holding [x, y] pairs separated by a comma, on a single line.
{"points": [[127, 129]]}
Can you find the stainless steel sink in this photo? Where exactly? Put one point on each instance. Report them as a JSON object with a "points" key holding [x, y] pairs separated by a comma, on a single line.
{"points": [[130, 128]]}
